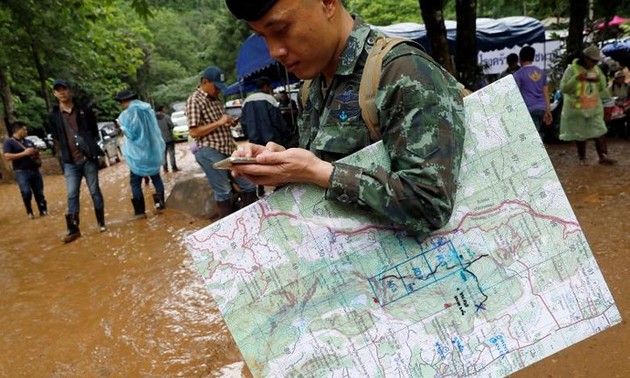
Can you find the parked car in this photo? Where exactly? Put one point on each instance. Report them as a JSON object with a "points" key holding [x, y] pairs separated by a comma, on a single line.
{"points": [[180, 131], [38, 142], [108, 141], [234, 110]]}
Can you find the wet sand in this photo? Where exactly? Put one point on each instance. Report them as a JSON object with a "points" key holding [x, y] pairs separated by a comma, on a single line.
{"points": [[129, 303]]}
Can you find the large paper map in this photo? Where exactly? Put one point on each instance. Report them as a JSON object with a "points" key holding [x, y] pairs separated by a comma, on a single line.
{"points": [[310, 288]]}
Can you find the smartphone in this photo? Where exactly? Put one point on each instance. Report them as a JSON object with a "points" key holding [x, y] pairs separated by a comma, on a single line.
{"points": [[227, 163]]}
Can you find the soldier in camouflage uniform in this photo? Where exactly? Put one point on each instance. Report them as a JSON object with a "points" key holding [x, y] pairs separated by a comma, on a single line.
{"points": [[420, 110]]}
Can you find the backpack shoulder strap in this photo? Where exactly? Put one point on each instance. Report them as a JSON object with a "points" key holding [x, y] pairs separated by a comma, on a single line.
{"points": [[306, 85], [369, 82]]}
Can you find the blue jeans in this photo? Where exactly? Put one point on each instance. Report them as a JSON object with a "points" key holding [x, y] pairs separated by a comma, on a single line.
{"points": [[219, 179], [74, 173], [170, 153], [31, 183], [136, 185], [538, 116]]}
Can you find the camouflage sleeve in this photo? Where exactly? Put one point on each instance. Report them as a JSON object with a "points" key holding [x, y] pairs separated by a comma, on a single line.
{"points": [[422, 122]]}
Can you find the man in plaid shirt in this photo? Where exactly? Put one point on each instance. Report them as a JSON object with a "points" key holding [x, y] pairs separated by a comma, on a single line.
{"points": [[210, 127]]}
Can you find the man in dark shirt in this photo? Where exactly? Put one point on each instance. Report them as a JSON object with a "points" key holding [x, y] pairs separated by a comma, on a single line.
{"points": [[24, 157], [166, 127], [261, 118], [75, 130], [289, 110]]}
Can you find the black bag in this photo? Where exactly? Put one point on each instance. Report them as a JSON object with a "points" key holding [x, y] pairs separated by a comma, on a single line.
{"points": [[90, 149]]}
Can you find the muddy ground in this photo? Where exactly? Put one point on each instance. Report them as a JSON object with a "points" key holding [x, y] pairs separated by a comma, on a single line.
{"points": [[128, 302]]}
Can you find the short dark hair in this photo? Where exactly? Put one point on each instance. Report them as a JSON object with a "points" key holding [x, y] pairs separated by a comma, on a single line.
{"points": [[512, 59], [15, 126], [262, 81], [159, 108], [527, 54]]}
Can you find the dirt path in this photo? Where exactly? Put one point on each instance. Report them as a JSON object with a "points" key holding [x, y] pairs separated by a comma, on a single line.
{"points": [[128, 302]]}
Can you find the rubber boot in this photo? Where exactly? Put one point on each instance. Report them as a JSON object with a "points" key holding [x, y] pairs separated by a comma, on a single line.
{"points": [[158, 200], [100, 219], [29, 209], [602, 152], [225, 208], [43, 208], [73, 233], [247, 198], [138, 208]]}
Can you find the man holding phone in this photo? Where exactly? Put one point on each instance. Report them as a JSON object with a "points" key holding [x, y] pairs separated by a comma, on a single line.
{"points": [[210, 126]]}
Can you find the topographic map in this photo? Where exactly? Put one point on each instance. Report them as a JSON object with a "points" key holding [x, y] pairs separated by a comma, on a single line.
{"points": [[311, 288]]}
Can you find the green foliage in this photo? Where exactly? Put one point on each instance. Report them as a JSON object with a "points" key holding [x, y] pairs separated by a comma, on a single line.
{"points": [[159, 47], [386, 12]]}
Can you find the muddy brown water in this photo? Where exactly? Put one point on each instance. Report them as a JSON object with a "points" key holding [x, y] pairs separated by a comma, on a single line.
{"points": [[129, 303]]}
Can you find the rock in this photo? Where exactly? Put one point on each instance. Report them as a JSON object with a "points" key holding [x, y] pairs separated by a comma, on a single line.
{"points": [[194, 196]]}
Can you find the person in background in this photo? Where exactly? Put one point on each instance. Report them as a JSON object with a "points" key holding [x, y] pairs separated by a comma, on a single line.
{"points": [[210, 126], [584, 85], [289, 111], [24, 157], [166, 127], [261, 118], [420, 105], [74, 129], [512, 61], [532, 82], [143, 149], [618, 89]]}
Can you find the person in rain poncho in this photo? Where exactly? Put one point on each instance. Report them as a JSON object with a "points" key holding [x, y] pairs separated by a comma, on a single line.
{"points": [[143, 149], [584, 86]]}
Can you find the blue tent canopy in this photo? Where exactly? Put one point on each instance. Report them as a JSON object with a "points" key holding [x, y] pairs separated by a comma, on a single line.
{"points": [[492, 34], [619, 51], [253, 57], [253, 61]]}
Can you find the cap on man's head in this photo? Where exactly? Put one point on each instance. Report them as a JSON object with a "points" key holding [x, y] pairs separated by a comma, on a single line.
{"points": [[593, 53], [620, 74], [249, 10], [125, 95], [61, 83], [215, 75]]}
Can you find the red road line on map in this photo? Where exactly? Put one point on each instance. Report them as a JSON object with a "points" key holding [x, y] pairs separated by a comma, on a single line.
{"points": [[528, 209]]}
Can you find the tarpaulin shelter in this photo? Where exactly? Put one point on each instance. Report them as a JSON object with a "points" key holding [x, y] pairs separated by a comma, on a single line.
{"points": [[619, 51], [254, 61], [492, 34], [615, 21]]}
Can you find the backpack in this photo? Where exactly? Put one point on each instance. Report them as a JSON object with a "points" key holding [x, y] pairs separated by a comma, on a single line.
{"points": [[369, 82]]}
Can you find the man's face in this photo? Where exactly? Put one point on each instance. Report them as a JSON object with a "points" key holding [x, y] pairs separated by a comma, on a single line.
{"points": [[22, 133], [209, 88], [63, 94], [301, 35]]}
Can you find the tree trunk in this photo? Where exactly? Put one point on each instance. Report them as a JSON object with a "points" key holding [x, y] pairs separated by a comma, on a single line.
{"points": [[466, 60], [41, 75], [578, 10], [9, 112], [433, 17], [7, 102]]}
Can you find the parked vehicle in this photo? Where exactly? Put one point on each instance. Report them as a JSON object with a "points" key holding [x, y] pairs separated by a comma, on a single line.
{"points": [[180, 131], [108, 141], [38, 142]]}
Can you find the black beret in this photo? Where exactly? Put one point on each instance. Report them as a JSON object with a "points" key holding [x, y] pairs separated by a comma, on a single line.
{"points": [[249, 10]]}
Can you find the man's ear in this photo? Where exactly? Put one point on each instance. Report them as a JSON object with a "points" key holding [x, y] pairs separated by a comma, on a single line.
{"points": [[330, 7]]}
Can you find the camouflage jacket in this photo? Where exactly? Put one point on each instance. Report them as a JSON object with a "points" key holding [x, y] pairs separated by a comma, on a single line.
{"points": [[422, 122]]}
